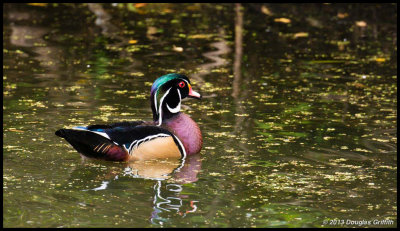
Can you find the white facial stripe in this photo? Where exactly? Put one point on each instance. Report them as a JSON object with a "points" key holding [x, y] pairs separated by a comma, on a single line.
{"points": [[186, 82], [178, 107], [155, 101], [159, 109], [172, 110]]}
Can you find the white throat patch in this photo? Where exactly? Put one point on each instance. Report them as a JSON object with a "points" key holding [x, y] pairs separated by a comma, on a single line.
{"points": [[178, 107], [172, 110]]}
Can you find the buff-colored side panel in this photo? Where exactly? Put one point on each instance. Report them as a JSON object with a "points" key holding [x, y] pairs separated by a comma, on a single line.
{"points": [[161, 147]]}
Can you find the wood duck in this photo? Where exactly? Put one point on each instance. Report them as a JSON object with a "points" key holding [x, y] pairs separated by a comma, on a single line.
{"points": [[171, 134]]}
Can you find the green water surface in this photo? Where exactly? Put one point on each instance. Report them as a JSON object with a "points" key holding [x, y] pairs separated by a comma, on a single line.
{"points": [[298, 114]]}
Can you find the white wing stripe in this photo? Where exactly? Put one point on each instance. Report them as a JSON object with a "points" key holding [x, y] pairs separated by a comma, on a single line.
{"points": [[85, 129]]}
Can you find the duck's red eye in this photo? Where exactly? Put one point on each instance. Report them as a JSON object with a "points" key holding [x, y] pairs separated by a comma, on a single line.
{"points": [[181, 84]]}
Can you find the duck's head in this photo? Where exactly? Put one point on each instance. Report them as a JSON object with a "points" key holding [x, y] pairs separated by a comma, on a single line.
{"points": [[167, 93]]}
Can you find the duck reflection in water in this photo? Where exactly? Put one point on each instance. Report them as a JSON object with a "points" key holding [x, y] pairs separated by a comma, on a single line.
{"points": [[169, 176], [168, 200]]}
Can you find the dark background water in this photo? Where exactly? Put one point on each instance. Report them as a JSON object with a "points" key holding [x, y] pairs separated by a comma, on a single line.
{"points": [[298, 115]]}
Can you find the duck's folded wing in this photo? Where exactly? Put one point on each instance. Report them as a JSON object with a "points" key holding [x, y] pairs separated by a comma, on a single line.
{"points": [[94, 144], [125, 142], [125, 124]]}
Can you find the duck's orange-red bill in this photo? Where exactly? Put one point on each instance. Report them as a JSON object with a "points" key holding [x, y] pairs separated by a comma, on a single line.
{"points": [[194, 94]]}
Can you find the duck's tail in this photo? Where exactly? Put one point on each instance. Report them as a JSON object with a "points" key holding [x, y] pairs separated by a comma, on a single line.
{"points": [[94, 144]]}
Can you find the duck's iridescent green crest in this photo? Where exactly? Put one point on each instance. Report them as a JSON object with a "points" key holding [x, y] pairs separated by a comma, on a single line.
{"points": [[165, 78]]}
